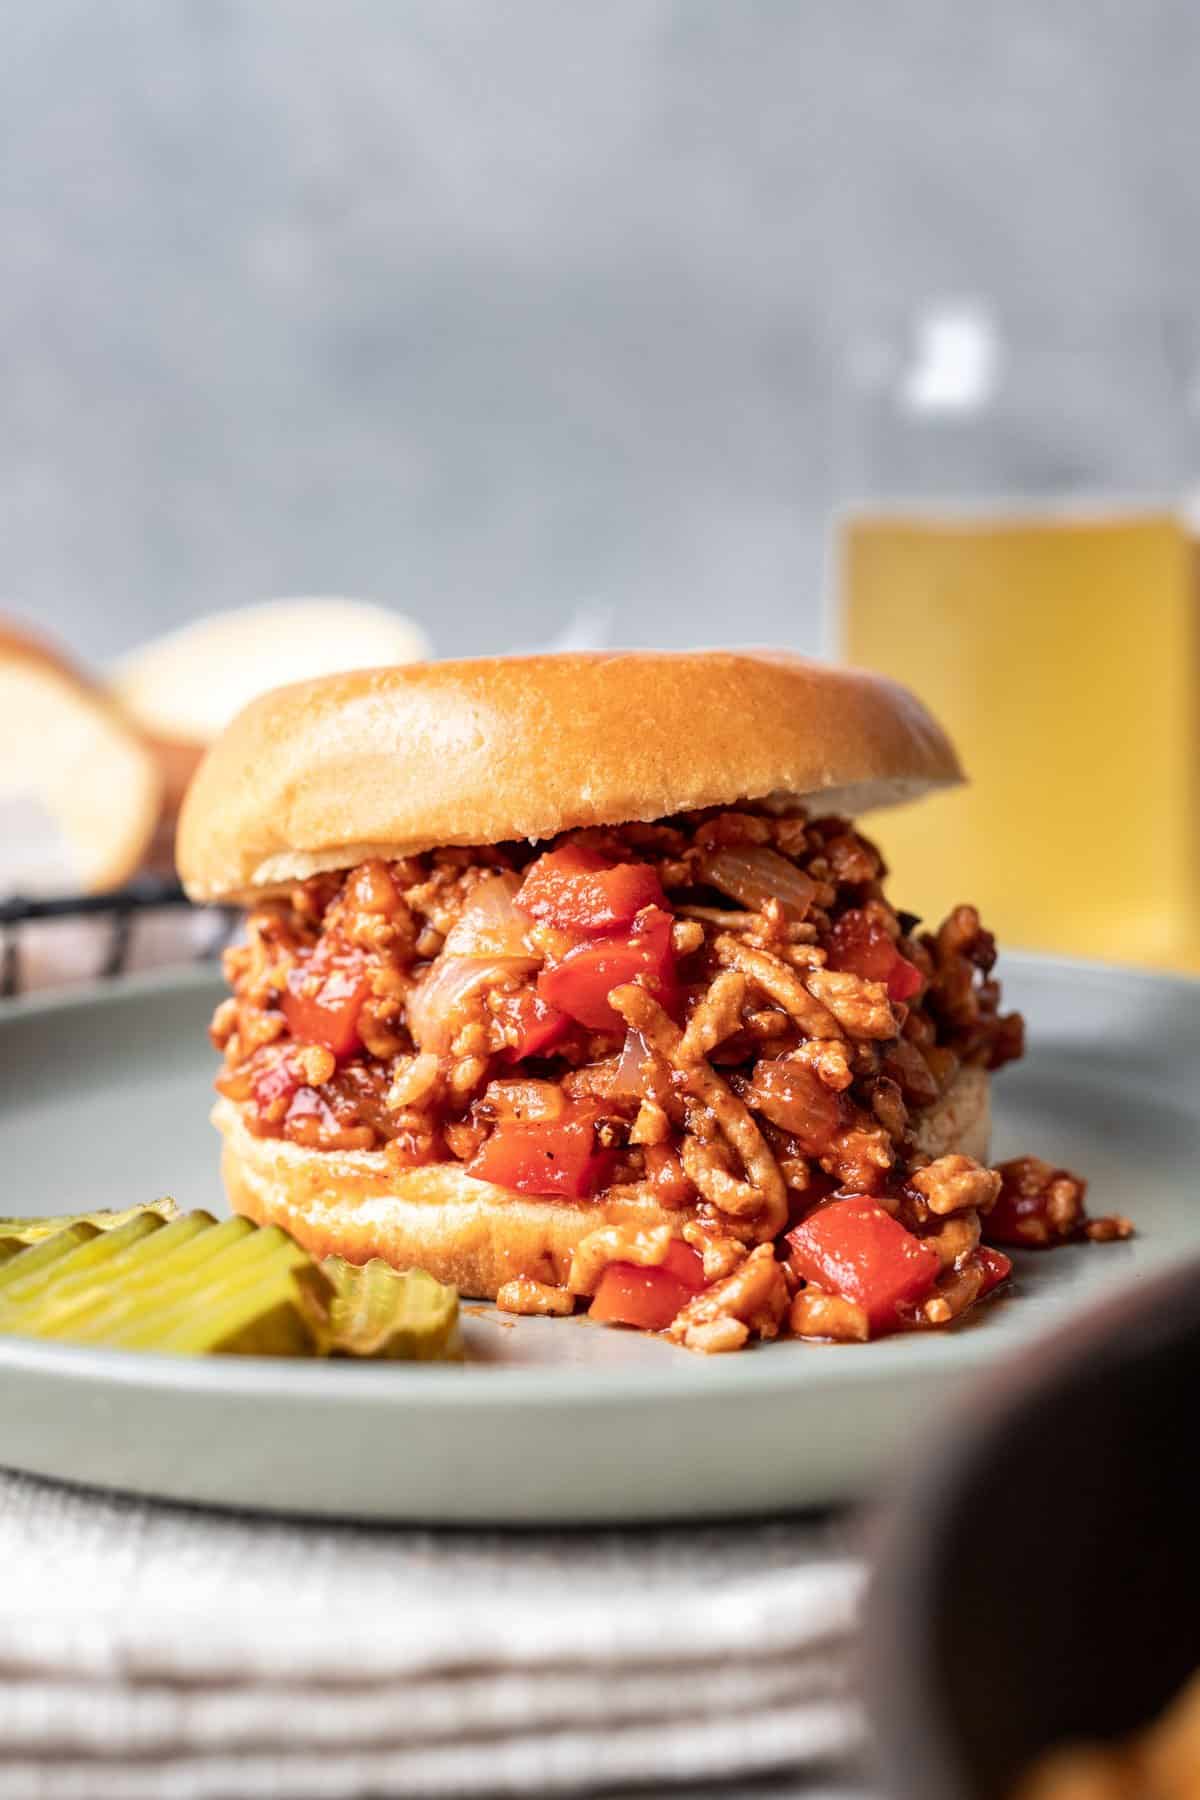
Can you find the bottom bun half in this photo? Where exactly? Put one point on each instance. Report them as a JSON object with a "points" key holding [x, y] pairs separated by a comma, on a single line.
{"points": [[357, 1204]]}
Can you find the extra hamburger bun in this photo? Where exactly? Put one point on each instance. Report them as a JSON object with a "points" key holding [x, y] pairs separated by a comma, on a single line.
{"points": [[182, 689], [356, 1204], [386, 762], [79, 791]]}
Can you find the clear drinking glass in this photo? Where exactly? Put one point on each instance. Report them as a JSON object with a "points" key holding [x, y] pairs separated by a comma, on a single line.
{"points": [[1013, 545]]}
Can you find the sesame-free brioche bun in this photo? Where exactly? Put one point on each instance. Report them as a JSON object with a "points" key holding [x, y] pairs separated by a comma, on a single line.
{"points": [[392, 761], [357, 1204]]}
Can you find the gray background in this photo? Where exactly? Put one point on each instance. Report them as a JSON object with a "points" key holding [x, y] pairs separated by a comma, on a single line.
{"points": [[493, 311]]}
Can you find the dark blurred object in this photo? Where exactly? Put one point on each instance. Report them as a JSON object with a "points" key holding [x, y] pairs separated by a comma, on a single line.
{"points": [[86, 937], [1040, 1579]]}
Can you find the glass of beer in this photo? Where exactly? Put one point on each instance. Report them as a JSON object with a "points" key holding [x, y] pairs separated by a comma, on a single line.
{"points": [[1013, 546]]}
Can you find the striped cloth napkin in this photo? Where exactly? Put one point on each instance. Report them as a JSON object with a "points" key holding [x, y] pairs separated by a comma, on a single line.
{"points": [[148, 1650]]}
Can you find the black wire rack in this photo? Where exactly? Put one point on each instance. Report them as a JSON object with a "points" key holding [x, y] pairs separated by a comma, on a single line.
{"points": [[120, 909]]}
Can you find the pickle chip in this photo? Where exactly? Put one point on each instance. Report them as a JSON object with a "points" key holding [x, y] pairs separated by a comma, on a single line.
{"points": [[30, 1259], [251, 1300], [391, 1314], [32, 1231], [152, 1278]]}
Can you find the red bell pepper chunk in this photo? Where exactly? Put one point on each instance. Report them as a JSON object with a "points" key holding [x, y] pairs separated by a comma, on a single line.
{"points": [[1022, 1216], [905, 979], [275, 1081], [538, 1027], [996, 1268], [553, 1156], [581, 983], [649, 1298], [579, 890], [860, 946], [854, 1248], [310, 1104], [323, 998]]}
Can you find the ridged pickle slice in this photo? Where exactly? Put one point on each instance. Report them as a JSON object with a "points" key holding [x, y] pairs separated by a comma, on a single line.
{"points": [[136, 1251], [87, 1309], [154, 1279], [249, 1284], [31, 1260], [174, 1277], [391, 1314], [32, 1231], [262, 1318], [82, 1266]]}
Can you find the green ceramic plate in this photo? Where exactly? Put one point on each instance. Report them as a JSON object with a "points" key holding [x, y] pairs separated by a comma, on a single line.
{"points": [[104, 1100]]}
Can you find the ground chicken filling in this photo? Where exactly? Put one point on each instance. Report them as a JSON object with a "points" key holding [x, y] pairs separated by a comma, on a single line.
{"points": [[720, 1012]]}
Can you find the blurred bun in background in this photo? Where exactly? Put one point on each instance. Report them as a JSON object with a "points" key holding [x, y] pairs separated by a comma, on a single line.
{"points": [[80, 793], [182, 689], [93, 768]]}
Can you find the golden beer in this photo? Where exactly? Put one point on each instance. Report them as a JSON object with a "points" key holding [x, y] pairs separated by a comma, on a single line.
{"points": [[1063, 654]]}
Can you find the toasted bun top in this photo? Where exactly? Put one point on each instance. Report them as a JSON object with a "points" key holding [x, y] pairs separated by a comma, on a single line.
{"points": [[388, 762]]}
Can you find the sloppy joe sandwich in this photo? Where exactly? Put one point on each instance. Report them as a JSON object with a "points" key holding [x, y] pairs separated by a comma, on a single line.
{"points": [[569, 980]]}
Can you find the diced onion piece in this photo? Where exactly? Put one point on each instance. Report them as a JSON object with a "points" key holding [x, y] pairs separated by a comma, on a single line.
{"points": [[490, 924], [484, 948], [797, 1100], [630, 1077], [438, 1001], [755, 875]]}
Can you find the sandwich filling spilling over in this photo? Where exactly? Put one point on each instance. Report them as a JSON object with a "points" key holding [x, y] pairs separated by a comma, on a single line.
{"points": [[718, 1013]]}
